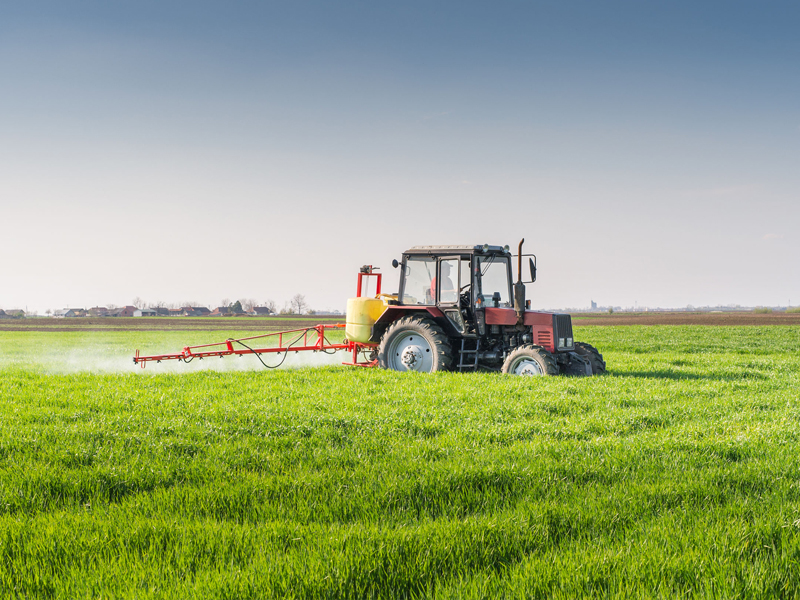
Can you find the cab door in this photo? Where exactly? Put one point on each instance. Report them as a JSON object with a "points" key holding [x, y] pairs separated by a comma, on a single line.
{"points": [[452, 275], [448, 281]]}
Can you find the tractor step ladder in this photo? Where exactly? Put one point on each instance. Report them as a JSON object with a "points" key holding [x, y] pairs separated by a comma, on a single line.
{"points": [[468, 353]]}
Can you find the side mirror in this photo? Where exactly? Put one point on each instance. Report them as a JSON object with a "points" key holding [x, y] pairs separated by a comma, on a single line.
{"points": [[395, 264], [533, 269]]}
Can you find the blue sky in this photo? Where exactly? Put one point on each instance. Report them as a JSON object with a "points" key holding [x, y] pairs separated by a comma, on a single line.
{"points": [[647, 151]]}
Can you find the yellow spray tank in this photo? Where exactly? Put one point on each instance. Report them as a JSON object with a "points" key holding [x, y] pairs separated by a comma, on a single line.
{"points": [[363, 311], [361, 316]]}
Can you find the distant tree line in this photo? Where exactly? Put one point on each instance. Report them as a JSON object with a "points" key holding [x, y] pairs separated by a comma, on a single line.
{"points": [[296, 306]]}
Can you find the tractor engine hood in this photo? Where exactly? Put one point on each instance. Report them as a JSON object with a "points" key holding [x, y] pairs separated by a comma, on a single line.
{"points": [[552, 331], [508, 316]]}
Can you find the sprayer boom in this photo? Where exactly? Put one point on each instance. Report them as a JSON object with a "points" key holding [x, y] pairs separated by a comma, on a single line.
{"points": [[307, 339]]}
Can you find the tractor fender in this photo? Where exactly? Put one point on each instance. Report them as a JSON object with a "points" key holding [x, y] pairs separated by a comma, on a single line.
{"points": [[392, 313]]}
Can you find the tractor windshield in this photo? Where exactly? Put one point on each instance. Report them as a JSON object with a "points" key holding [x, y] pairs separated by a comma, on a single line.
{"points": [[417, 278], [492, 276]]}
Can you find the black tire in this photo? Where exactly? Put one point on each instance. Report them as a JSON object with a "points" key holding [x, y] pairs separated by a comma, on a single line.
{"points": [[415, 343], [530, 360], [594, 357]]}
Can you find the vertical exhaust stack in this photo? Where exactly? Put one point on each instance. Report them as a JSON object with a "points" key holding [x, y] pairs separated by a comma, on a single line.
{"points": [[519, 290]]}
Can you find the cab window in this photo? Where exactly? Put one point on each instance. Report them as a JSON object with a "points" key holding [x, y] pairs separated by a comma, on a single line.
{"points": [[492, 276], [418, 274], [448, 280]]}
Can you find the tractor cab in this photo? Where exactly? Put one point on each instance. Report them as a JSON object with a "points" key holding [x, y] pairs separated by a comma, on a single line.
{"points": [[458, 280], [467, 276]]}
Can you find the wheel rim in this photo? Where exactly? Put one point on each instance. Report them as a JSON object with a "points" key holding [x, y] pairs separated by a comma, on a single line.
{"points": [[410, 352], [527, 367]]}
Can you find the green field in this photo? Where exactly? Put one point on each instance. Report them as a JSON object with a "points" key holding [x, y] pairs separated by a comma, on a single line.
{"points": [[676, 475]]}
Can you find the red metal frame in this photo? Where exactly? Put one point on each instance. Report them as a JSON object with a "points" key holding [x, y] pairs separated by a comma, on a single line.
{"points": [[367, 271], [299, 342]]}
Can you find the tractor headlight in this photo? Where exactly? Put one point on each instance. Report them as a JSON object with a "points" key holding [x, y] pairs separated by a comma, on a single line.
{"points": [[480, 319], [506, 248], [560, 342], [569, 342], [486, 247]]}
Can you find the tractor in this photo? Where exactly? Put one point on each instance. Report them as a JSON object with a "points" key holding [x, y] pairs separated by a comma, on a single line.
{"points": [[458, 309]]}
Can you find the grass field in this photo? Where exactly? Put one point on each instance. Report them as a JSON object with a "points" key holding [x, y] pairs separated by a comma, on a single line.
{"points": [[677, 475]]}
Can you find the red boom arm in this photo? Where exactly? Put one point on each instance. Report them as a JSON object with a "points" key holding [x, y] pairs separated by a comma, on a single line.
{"points": [[300, 340]]}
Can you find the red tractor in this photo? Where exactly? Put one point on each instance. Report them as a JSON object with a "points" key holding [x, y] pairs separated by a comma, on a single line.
{"points": [[458, 309]]}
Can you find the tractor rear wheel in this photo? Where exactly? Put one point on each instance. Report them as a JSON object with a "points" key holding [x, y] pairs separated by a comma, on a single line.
{"points": [[594, 357], [530, 360], [415, 343]]}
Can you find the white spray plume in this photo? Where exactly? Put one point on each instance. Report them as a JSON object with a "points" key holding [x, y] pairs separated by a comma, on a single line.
{"points": [[92, 359]]}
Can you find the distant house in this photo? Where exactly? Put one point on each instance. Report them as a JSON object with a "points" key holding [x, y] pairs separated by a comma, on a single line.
{"points": [[259, 311], [16, 313], [63, 313], [195, 311], [161, 311], [126, 311], [98, 311], [145, 312], [79, 312], [220, 311], [175, 312], [3, 314]]}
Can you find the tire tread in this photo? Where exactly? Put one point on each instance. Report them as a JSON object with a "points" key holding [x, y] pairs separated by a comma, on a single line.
{"points": [[593, 355], [547, 360]]}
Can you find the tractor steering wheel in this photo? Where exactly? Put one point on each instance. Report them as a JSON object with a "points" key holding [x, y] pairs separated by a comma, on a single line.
{"points": [[464, 298]]}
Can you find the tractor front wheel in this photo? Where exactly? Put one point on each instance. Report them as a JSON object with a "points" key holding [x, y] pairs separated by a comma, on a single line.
{"points": [[530, 360], [594, 357], [415, 343]]}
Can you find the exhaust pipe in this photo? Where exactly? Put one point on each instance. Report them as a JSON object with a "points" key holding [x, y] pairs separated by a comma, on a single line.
{"points": [[519, 290]]}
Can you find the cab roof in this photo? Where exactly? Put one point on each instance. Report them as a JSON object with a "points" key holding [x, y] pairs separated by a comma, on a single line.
{"points": [[444, 250]]}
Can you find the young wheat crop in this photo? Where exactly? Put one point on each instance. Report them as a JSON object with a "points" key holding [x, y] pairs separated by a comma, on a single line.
{"points": [[674, 475]]}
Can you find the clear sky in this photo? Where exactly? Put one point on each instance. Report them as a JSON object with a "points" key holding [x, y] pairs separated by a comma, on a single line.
{"points": [[647, 151]]}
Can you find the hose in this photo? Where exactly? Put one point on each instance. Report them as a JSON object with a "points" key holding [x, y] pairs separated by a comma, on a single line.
{"points": [[258, 356], [286, 352]]}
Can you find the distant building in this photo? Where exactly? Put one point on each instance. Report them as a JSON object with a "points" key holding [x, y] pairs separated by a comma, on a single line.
{"points": [[63, 313], [98, 311], [221, 311], [195, 311], [260, 311], [145, 312], [594, 305], [126, 311], [161, 311]]}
